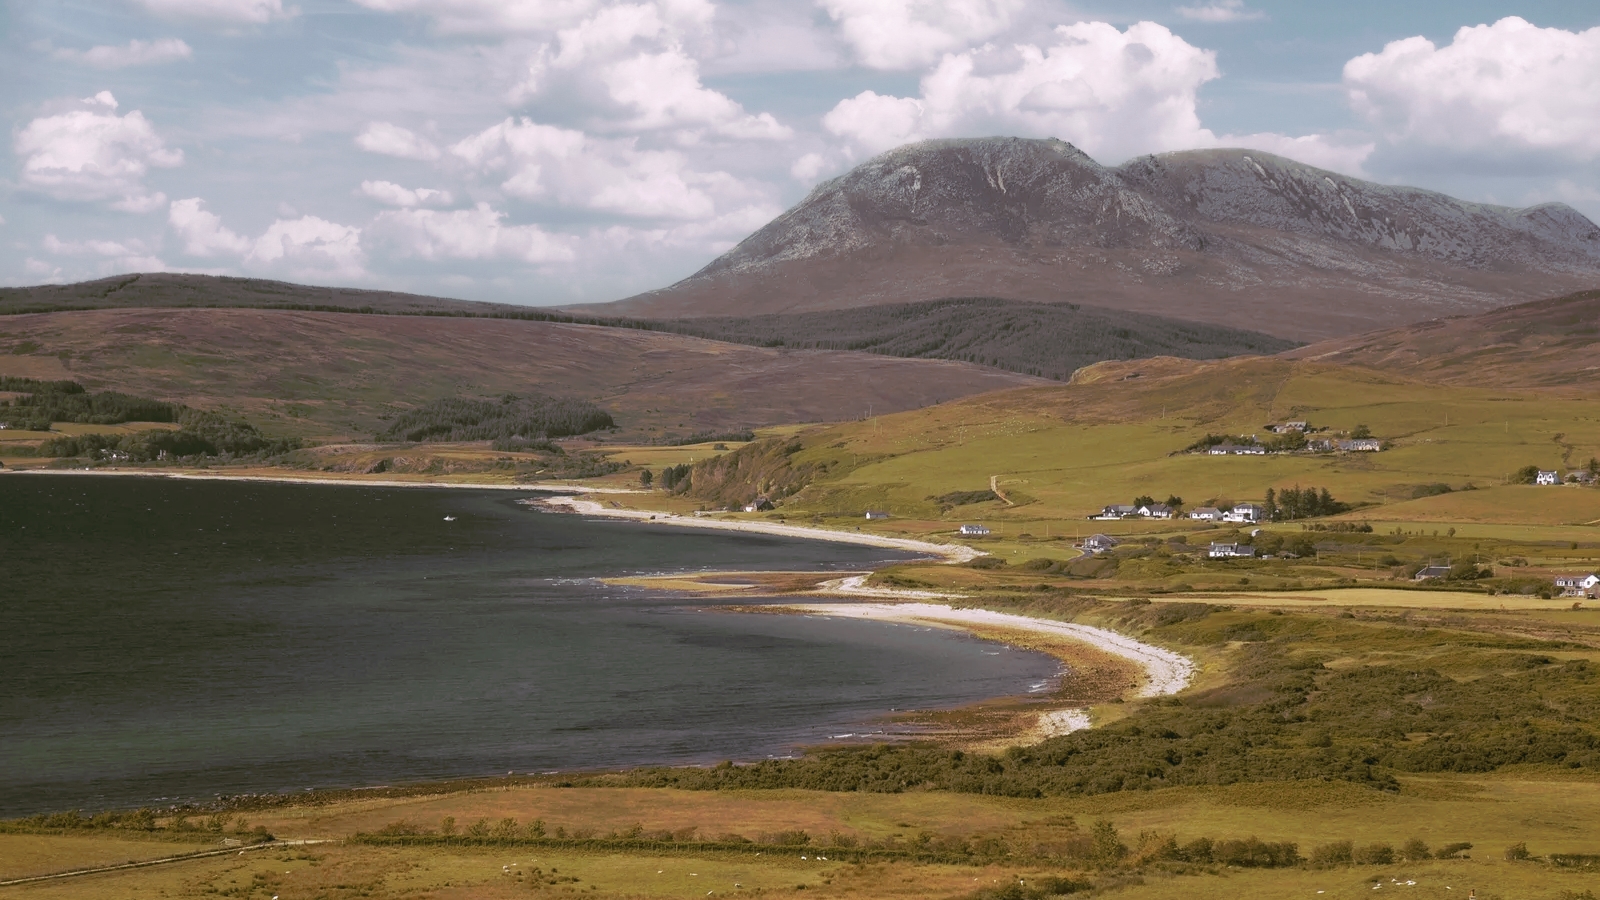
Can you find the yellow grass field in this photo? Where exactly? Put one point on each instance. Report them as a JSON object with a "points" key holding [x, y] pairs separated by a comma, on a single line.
{"points": [[1549, 811]]}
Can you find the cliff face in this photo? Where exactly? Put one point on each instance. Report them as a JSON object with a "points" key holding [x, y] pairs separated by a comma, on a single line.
{"points": [[1231, 237]]}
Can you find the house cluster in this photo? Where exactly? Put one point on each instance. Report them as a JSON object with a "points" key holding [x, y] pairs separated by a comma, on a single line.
{"points": [[1242, 513], [1237, 450], [1130, 511], [974, 530], [1353, 445], [1579, 585], [1288, 427], [1553, 476]]}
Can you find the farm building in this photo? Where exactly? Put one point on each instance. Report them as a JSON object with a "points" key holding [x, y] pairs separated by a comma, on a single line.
{"points": [[978, 530]]}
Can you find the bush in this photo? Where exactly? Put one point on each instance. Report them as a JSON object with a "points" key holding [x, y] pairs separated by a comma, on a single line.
{"points": [[1338, 853], [1517, 851], [1415, 850], [1451, 851], [1374, 855]]}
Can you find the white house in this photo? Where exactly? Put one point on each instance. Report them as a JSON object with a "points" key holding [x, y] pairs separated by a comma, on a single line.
{"points": [[1361, 445], [1245, 512], [978, 530], [1238, 450], [1544, 477], [1577, 585], [875, 514], [1206, 513], [759, 504], [1099, 543], [1230, 550], [1154, 511]]}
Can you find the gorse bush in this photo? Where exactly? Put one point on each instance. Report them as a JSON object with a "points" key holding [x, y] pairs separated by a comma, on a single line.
{"points": [[458, 419]]}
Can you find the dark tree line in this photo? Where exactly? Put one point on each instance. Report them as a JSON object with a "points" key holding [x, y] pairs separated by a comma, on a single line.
{"points": [[1302, 503], [676, 478], [67, 401], [532, 417], [202, 434]]}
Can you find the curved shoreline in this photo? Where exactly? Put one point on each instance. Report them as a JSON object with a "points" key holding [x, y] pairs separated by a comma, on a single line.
{"points": [[1165, 671], [955, 553]]}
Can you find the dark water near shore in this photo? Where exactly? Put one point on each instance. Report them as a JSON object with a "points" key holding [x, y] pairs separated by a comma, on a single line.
{"points": [[165, 640]]}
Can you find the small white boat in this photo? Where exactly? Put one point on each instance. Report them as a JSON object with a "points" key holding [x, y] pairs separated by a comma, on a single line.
{"points": [[449, 518]]}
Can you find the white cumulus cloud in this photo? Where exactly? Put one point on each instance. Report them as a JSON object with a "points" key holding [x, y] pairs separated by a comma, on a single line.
{"points": [[133, 53], [1495, 90], [394, 195], [392, 140], [226, 12], [202, 231], [568, 168], [310, 247], [1113, 93], [480, 233], [94, 155], [907, 34], [1221, 11]]}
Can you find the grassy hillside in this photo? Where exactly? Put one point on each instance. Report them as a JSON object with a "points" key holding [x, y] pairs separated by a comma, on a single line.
{"points": [[1048, 340], [173, 290], [1051, 340], [1060, 453], [1547, 343], [333, 375]]}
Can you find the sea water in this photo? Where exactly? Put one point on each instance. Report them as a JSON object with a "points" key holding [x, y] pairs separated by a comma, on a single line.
{"points": [[165, 640]]}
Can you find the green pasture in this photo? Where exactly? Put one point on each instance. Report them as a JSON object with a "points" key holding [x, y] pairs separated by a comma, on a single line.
{"points": [[1062, 453]]}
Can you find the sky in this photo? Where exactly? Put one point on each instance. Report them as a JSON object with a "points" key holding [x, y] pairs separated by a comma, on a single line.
{"points": [[562, 151]]}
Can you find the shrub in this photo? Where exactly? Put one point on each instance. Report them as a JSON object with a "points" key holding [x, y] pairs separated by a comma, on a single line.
{"points": [[1108, 848], [1374, 855], [1517, 851], [1338, 853], [1415, 850], [1450, 851]]}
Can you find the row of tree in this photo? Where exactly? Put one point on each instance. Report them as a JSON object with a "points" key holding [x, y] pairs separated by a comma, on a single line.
{"points": [[202, 434], [46, 402], [532, 417], [1301, 503]]}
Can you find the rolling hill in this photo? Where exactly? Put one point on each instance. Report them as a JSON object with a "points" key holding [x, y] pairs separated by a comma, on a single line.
{"points": [[1229, 237], [335, 375], [1050, 340], [1046, 340], [1547, 344]]}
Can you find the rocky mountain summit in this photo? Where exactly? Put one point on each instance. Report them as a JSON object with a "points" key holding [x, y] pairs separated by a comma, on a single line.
{"points": [[1230, 237]]}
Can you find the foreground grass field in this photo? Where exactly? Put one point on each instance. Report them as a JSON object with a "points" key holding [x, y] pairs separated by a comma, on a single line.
{"points": [[1473, 724], [1549, 812]]}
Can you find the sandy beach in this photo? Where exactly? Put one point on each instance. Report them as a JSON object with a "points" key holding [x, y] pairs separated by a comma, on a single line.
{"points": [[951, 552], [1165, 672]]}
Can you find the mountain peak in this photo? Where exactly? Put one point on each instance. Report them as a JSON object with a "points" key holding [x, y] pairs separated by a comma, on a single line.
{"points": [[1232, 237]]}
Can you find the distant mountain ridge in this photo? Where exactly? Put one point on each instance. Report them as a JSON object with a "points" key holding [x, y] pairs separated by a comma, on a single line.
{"points": [[1232, 237]]}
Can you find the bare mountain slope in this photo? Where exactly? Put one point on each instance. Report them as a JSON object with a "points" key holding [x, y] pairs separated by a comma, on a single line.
{"points": [[1230, 237], [1548, 344]]}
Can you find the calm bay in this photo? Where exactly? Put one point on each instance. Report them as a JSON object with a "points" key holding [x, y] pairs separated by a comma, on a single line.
{"points": [[165, 640]]}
